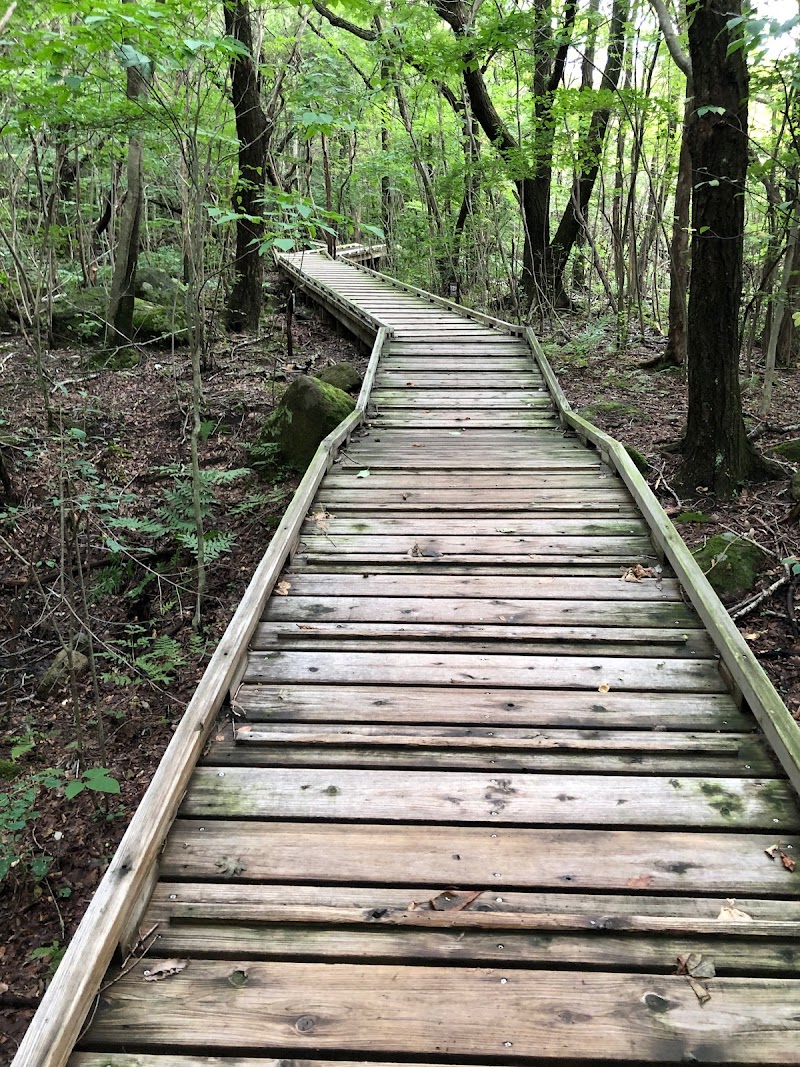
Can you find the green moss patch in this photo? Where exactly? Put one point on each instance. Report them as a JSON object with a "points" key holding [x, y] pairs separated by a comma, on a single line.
{"points": [[789, 450], [730, 563]]}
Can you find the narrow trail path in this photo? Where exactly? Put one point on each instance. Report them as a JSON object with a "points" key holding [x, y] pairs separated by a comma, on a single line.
{"points": [[492, 775]]}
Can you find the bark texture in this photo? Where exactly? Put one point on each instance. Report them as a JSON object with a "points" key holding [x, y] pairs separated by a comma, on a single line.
{"points": [[243, 305], [717, 453]]}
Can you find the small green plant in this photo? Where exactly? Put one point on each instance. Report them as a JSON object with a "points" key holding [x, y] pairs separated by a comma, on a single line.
{"points": [[95, 779], [52, 954], [17, 811], [154, 658]]}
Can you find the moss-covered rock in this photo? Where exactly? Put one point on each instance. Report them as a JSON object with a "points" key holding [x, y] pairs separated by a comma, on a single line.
{"points": [[794, 486], [343, 375], [151, 321], [157, 287], [789, 450], [730, 563], [639, 460], [80, 315], [307, 413]]}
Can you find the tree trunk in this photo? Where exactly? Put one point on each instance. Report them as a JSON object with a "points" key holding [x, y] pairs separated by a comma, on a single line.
{"points": [[717, 453], [569, 227], [679, 246], [126, 256], [243, 305]]}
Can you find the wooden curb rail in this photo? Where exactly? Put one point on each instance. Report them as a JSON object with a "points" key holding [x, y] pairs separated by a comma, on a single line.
{"points": [[112, 917]]}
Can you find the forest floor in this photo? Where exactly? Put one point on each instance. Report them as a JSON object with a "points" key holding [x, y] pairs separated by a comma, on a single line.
{"points": [[121, 440]]}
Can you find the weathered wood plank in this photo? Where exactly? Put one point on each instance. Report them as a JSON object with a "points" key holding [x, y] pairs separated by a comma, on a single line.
{"points": [[491, 587], [483, 737], [572, 761], [430, 524], [564, 1016], [377, 904], [445, 669], [500, 706], [376, 637], [625, 548], [235, 931], [655, 861], [529, 799]]}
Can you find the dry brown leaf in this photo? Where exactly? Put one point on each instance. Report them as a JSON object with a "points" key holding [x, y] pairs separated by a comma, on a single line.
{"points": [[787, 861], [305, 626], [641, 881], [414, 551], [164, 969], [604, 688], [772, 851], [283, 587], [729, 913], [637, 572], [322, 520], [451, 900], [699, 990], [220, 737]]}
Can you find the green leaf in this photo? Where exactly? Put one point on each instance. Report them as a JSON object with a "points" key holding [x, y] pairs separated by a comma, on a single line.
{"points": [[71, 789], [285, 244], [364, 474]]}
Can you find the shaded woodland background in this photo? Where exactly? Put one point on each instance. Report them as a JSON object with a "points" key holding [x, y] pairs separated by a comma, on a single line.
{"points": [[621, 174]]}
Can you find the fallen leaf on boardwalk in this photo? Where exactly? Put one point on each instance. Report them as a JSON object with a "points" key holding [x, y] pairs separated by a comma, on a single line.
{"points": [[414, 551], [729, 913], [364, 474], [322, 520], [305, 626], [787, 861], [409, 383], [238, 978], [282, 588], [772, 851], [636, 573], [230, 866], [696, 965], [220, 737], [165, 969], [418, 446], [604, 688], [700, 991], [641, 881], [451, 900]]}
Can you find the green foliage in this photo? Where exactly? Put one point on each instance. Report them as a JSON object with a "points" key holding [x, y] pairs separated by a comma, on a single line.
{"points": [[52, 954], [18, 810], [95, 779]]}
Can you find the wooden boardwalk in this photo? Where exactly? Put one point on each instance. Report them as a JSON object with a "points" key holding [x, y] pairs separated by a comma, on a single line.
{"points": [[489, 784]]}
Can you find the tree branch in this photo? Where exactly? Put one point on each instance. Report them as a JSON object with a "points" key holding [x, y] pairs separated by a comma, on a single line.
{"points": [[682, 60]]}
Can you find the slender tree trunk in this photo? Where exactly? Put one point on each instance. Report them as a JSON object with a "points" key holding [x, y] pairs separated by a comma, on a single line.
{"points": [[243, 305], [717, 453], [126, 255]]}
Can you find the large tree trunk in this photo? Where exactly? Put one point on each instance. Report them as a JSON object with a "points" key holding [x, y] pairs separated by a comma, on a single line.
{"points": [[717, 453], [243, 305]]}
